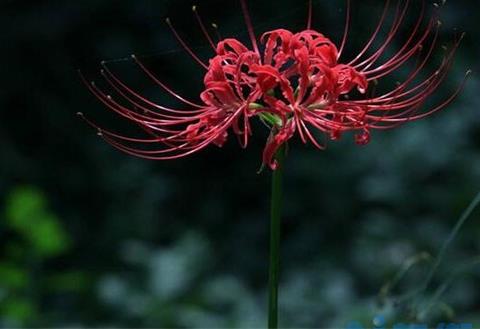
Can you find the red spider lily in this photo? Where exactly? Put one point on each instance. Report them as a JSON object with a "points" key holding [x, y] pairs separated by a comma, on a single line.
{"points": [[297, 83]]}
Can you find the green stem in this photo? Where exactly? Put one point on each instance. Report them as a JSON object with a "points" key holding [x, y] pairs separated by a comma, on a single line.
{"points": [[275, 214]]}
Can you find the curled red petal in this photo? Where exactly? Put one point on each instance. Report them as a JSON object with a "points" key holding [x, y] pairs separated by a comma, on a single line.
{"points": [[273, 144]]}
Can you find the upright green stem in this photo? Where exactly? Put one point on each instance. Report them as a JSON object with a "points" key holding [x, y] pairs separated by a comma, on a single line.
{"points": [[275, 220]]}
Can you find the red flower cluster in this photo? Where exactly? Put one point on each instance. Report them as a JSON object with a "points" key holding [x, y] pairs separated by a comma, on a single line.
{"points": [[297, 84]]}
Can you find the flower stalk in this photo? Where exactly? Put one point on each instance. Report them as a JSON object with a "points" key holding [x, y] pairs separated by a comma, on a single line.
{"points": [[275, 224]]}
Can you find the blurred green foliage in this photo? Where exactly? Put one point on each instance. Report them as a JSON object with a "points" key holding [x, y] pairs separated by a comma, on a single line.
{"points": [[26, 214], [35, 236], [91, 237]]}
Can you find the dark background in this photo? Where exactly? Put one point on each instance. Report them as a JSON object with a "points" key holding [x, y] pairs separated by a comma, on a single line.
{"points": [[93, 237]]}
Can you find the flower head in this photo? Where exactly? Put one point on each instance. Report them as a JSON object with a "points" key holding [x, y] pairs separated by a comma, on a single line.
{"points": [[296, 83]]}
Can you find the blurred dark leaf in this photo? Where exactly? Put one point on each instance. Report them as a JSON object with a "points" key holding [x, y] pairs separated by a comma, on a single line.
{"points": [[13, 277]]}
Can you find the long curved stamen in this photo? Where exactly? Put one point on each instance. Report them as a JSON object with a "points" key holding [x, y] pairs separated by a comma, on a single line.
{"points": [[108, 101], [406, 45], [299, 128], [151, 154], [394, 63], [148, 154], [399, 91], [374, 35], [217, 32], [318, 122], [202, 26], [403, 110], [176, 137], [309, 15], [137, 153], [345, 32], [399, 120], [185, 46], [161, 84], [446, 102], [249, 24], [118, 84], [311, 137], [399, 18], [152, 117], [427, 87], [409, 40], [102, 132]]}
